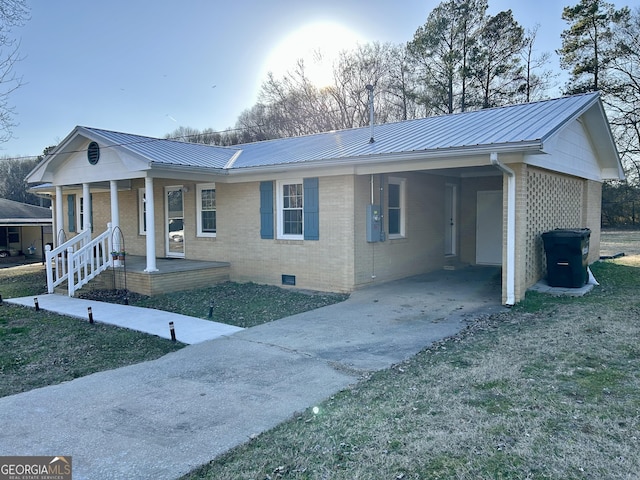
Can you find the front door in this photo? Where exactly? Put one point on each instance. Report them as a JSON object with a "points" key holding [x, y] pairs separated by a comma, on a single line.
{"points": [[174, 215]]}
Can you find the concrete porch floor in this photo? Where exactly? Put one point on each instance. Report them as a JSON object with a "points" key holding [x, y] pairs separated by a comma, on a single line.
{"points": [[137, 263]]}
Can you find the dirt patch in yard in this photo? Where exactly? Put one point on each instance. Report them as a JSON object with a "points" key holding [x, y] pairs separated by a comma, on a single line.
{"points": [[613, 242], [616, 242]]}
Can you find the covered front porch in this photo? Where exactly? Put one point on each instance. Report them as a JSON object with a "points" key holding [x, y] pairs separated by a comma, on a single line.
{"points": [[92, 262]]}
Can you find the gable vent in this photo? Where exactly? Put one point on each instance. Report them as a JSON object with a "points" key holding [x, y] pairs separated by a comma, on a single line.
{"points": [[93, 153]]}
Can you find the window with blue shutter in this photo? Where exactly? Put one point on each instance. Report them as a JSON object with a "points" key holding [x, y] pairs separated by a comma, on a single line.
{"points": [[71, 212], [311, 209], [266, 210]]}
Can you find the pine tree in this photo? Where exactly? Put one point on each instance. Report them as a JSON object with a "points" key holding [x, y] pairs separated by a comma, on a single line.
{"points": [[587, 45]]}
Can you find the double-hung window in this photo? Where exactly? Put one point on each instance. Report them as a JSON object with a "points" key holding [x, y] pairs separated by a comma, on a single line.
{"points": [[396, 209], [206, 207], [297, 209], [290, 201]]}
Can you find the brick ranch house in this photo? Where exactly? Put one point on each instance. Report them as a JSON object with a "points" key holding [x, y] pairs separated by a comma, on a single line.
{"points": [[341, 210]]}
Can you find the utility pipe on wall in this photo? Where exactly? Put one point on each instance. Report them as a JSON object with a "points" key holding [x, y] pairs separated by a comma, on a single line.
{"points": [[371, 182], [383, 235], [371, 120], [511, 228]]}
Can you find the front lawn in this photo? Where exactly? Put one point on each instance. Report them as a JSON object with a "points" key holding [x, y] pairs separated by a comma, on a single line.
{"points": [[240, 304]]}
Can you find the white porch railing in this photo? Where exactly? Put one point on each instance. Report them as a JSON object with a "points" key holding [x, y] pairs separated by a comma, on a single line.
{"points": [[78, 260]]}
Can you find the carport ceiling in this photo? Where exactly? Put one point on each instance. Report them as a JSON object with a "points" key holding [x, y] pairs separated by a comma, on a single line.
{"points": [[488, 171]]}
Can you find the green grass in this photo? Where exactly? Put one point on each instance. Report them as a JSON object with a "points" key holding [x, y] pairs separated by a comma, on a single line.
{"points": [[41, 348], [244, 305], [548, 390], [23, 281]]}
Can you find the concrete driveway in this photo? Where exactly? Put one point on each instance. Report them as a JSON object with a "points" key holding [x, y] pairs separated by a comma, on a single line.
{"points": [[160, 419]]}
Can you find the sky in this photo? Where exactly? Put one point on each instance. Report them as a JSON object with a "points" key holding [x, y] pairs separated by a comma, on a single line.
{"points": [[148, 67]]}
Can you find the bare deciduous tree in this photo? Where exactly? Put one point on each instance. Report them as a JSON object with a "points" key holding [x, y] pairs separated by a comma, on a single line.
{"points": [[536, 84], [13, 13]]}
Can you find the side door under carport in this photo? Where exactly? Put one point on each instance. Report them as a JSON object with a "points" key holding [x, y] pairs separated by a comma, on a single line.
{"points": [[489, 227]]}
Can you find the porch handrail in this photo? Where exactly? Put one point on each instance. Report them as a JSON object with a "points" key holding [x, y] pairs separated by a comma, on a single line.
{"points": [[78, 260]]}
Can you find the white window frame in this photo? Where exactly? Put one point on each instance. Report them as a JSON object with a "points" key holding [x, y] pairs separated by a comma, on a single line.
{"points": [[280, 209], [402, 183], [199, 188]]}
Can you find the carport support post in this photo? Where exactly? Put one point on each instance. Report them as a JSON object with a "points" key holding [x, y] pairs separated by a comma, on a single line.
{"points": [[511, 228]]}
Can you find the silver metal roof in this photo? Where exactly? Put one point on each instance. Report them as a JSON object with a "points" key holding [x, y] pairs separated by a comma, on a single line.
{"points": [[168, 152], [507, 127]]}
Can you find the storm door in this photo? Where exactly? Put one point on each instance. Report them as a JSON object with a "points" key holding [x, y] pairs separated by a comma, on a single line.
{"points": [[174, 214]]}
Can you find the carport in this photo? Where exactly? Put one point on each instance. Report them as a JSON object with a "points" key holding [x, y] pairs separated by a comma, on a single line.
{"points": [[24, 231]]}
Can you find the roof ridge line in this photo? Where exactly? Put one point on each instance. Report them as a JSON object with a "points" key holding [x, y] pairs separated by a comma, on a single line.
{"points": [[232, 160]]}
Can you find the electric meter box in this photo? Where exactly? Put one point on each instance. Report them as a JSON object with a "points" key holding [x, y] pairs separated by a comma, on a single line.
{"points": [[374, 223]]}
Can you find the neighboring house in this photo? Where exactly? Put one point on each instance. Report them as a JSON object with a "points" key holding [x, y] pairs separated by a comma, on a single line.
{"points": [[24, 229], [341, 210]]}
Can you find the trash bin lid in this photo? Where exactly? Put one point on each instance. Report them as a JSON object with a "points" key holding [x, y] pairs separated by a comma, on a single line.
{"points": [[568, 233]]}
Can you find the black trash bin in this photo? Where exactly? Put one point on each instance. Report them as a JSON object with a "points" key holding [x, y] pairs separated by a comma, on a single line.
{"points": [[567, 257]]}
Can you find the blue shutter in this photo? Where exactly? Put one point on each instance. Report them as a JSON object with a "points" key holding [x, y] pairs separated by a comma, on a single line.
{"points": [[266, 209], [311, 209], [71, 212]]}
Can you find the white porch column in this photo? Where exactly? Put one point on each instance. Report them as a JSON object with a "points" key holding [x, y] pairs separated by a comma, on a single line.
{"points": [[86, 206], [59, 215], [115, 214], [151, 225], [115, 209]]}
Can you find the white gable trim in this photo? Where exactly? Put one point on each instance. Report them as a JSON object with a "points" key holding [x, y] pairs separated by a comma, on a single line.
{"points": [[574, 151], [569, 151]]}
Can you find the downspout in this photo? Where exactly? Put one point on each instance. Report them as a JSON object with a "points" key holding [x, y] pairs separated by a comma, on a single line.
{"points": [[511, 228]]}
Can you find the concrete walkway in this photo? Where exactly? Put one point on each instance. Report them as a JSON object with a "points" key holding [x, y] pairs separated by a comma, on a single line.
{"points": [[187, 329], [161, 419]]}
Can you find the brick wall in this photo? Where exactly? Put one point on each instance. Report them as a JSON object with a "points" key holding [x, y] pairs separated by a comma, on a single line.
{"points": [[158, 283], [324, 264], [592, 216], [546, 201]]}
